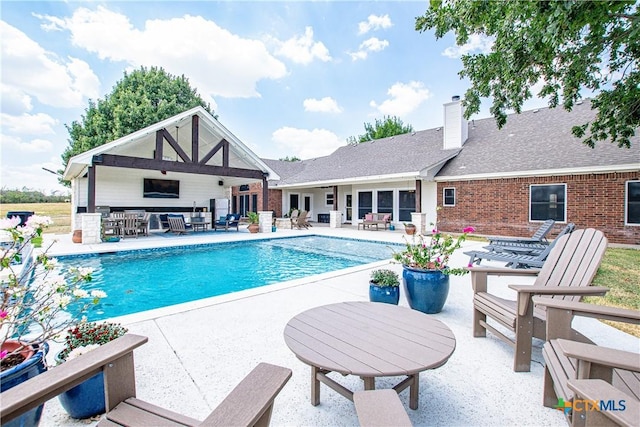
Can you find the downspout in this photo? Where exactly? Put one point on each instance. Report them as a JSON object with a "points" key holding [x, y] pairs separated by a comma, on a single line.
{"points": [[418, 196]]}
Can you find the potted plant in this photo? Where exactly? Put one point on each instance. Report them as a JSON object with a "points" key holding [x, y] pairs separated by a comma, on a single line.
{"points": [[384, 286], [409, 228], [254, 221], [34, 296], [86, 399], [425, 268]]}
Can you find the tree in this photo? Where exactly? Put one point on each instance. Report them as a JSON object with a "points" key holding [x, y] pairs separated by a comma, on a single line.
{"points": [[289, 159], [567, 46], [388, 126], [142, 98]]}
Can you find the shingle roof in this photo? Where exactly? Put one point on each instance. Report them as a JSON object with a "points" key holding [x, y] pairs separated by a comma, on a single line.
{"points": [[408, 154], [533, 141], [536, 140]]}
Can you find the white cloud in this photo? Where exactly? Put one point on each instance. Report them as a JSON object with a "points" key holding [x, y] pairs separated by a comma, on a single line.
{"points": [[30, 69], [374, 22], [32, 177], [16, 144], [303, 49], [217, 62], [304, 143], [373, 44], [404, 98], [14, 101], [477, 42], [324, 105], [28, 124]]}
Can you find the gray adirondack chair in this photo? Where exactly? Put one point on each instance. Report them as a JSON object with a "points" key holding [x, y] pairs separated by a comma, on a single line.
{"points": [[566, 274], [249, 404], [538, 237], [526, 248]]}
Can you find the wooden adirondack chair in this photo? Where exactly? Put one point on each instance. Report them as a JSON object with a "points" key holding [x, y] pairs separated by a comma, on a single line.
{"points": [[177, 224], [566, 274], [249, 404], [576, 367]]}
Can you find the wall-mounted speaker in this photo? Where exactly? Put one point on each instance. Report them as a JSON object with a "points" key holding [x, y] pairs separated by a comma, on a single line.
{"points": [[220, 182]]}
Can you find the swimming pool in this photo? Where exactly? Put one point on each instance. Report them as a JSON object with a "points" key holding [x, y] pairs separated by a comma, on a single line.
{"points": [[142, 280]]}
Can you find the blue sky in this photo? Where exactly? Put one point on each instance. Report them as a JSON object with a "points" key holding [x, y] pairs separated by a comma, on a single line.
{"points": [[287, 78]]}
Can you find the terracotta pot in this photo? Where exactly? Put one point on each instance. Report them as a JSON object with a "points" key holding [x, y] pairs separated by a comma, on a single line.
{"points": [[410, 229], [77, 236], [253, 228]]}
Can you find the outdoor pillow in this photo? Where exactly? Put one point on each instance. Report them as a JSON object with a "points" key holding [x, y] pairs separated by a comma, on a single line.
{"points": [[368, 217]]}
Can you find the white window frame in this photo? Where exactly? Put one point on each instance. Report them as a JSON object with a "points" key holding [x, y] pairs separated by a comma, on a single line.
{"points": [[626, 204], [444, 190], [566, 200]]}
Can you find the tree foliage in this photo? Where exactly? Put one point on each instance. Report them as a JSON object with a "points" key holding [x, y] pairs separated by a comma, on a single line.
{"points": [[289, 159], [566, 46], [142, 98], [388, 126], [27, 195]]}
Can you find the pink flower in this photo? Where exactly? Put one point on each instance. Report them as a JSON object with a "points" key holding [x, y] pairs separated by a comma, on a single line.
{"points": [[434, 231], [3, 354], [3, 314], [468, 230]]}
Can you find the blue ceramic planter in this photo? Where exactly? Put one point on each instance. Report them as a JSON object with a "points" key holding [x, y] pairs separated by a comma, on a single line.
{"points": [[386, 294], [426, 290], [86, 399], [19, 374]]}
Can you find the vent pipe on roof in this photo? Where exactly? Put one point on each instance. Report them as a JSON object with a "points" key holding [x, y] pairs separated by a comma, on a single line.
{"points": [[456, 129]]}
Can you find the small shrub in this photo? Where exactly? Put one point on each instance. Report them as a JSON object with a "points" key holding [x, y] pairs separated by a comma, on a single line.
{"points": [[385, 278]]}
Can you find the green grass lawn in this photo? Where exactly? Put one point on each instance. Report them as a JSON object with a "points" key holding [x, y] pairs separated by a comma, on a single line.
{"points": [[60, 214]]}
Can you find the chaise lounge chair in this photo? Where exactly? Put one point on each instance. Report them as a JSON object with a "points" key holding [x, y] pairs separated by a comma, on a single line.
{"points": [[229, 221], [516, 256], [526, 248], [538, 237], [566, 275], [249, 404], [177, 224]]}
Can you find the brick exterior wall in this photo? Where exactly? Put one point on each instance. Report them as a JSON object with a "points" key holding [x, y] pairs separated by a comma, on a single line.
{"points": [[501, 206], [274, 202]]}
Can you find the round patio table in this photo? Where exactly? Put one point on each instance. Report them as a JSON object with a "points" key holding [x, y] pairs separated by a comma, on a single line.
{"points": [[369, 340]]}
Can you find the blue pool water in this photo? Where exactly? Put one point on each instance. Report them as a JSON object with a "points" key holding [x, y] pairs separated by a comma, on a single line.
{"points": [[142, 280]]}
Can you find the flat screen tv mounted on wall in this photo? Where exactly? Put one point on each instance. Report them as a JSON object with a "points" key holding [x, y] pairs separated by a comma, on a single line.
{"points": [[161, 188]]}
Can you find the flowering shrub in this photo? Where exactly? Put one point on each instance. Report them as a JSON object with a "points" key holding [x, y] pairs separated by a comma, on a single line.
{"points": [[384, 278], [432, 252], [34, 297], [87, 336]]}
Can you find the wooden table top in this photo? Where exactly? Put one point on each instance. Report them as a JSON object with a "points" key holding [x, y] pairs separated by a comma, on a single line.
{"points": [[369, 339]]}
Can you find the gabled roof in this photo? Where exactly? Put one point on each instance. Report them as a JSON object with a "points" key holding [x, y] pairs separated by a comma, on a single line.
{"points": [[400, 157], [533, 143], [142, 144], [537, 142]]}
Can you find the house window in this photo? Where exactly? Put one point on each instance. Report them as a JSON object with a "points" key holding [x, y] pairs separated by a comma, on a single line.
{"points": [[548, 202], [365, 203], [294, 201], [254, 202], [328, 199], [406, 205], [633, 203], [244, 204], [385, 202], [449, 197]]}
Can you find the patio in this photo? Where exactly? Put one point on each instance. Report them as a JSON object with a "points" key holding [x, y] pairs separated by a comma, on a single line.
{"points": [[197, 352]]}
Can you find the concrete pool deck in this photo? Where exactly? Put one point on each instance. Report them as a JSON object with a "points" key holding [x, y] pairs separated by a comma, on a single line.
{"points": [[197, 352]]}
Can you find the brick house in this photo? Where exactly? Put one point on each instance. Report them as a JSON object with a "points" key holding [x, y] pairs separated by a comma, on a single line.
{"points": [[502, 182]]}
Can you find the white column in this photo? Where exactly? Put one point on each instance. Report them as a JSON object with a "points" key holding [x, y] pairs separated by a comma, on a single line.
{"points": [[335, 219], [265, 220], [91, 228], [420, 221]]}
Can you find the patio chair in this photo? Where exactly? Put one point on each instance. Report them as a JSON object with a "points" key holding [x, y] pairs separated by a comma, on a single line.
{"points": [[516, 258], [250, 403], [566, 274], [294, 217], [538, 237], [130, 225], [231, 220], [526, 248], [302, 222], [577, 368], [177, 224], [143, 224]]}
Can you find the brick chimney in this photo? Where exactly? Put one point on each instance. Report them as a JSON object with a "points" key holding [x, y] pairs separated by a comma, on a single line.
{"points": [[456, 130]]}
